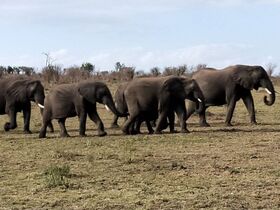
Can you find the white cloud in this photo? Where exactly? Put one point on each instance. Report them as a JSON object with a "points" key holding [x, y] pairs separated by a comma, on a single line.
{"points": [[214, 55]]}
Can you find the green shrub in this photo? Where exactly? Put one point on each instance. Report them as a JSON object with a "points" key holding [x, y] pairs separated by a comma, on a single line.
{"points": [[56, 176]]}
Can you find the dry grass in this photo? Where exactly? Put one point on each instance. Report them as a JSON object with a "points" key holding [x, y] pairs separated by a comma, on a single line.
{"points": [[217, 167]]}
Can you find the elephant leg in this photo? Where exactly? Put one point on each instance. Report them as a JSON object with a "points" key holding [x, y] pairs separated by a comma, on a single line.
{"points": [[26, 119], [83, 119], [93, 115], [63, 131], [128, 123], [230, 109], [43, 130], [249, 103], [46, 122], [50, 126], [114, 124], [171, 119], [190, 109], [149, 127], [136, 128], [13, 120], [161, 120], [182, 114], [202, 118]]}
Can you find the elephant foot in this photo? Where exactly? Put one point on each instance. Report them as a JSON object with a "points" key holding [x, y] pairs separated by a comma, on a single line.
{"points": [[173, 131], [7, 126], [151, 131], [83, 135], [64, 135], [185, 131], [229, 124], [27, 132], [133, 132], [157, 132], [102, 133], [42, 135], [204, 124], [113, 125], [254, 123]]}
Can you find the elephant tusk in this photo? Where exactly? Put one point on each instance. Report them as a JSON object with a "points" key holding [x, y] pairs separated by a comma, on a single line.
{"points": [[268, 91], [41, 106], [107, 108], [199, 100]]}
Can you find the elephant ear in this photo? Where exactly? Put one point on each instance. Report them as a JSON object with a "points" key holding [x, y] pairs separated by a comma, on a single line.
{"points": [[88, 91], [245, 78], [172, 87], [172, 84], [22, 90], [16, 91], [31, 86]]}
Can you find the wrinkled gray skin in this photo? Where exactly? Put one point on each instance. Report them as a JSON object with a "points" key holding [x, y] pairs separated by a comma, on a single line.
{"points": [[227, 86], [70, 100], [15, 96], [159, 97], [120, 103], [121, 106]]}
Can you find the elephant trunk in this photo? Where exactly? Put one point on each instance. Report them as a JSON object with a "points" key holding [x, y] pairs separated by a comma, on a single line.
{"points": [[270, 99], [200, 103], [39, 100], [109, 104]]}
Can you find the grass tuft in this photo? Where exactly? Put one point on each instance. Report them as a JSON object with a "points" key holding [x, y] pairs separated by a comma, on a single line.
{"points": [[56, 176]]}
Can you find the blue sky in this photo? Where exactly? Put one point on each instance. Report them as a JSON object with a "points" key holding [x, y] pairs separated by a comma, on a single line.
{"points": [[140, 33]]}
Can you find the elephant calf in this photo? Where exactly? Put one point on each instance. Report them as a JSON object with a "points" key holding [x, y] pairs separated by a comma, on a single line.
{"points": [[69, 100]]}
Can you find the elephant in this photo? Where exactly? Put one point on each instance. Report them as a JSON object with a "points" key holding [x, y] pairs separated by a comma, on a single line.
{"points": [[120, 103], [79, 99], [228, 85], [121, 106], [15, 96], [158, 97]]}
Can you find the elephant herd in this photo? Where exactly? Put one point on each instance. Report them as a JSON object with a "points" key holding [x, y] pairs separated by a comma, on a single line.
{"points": [[153, 100]]}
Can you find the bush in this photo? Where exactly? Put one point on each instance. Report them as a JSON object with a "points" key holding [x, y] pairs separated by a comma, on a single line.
{"points": [[74, 74], [51, 74], [56, 176]]}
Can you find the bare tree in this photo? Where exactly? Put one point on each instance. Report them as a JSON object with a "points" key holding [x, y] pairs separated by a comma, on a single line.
{"points": [[270, 68], [155, 71], [49, 59]]}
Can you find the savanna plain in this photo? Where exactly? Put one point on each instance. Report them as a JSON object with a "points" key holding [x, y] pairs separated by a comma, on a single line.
{"points": [[216, 167]]}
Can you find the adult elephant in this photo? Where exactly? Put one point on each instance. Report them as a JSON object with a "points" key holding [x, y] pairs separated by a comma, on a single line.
{"points": [[159, 97], [227, 86], [69, 100], [16, 95]]}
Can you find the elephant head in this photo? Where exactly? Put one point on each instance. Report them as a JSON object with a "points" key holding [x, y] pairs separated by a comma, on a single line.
{"points": [[98, 92], [186, 88], [254, 77], [194, 93], [22, 90]]}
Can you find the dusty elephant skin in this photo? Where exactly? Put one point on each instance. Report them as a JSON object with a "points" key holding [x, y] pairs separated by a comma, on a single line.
{"points": [[229, 85], [121, 106], [69, 100], [120, 103], [159, 97], [15, 96]]}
